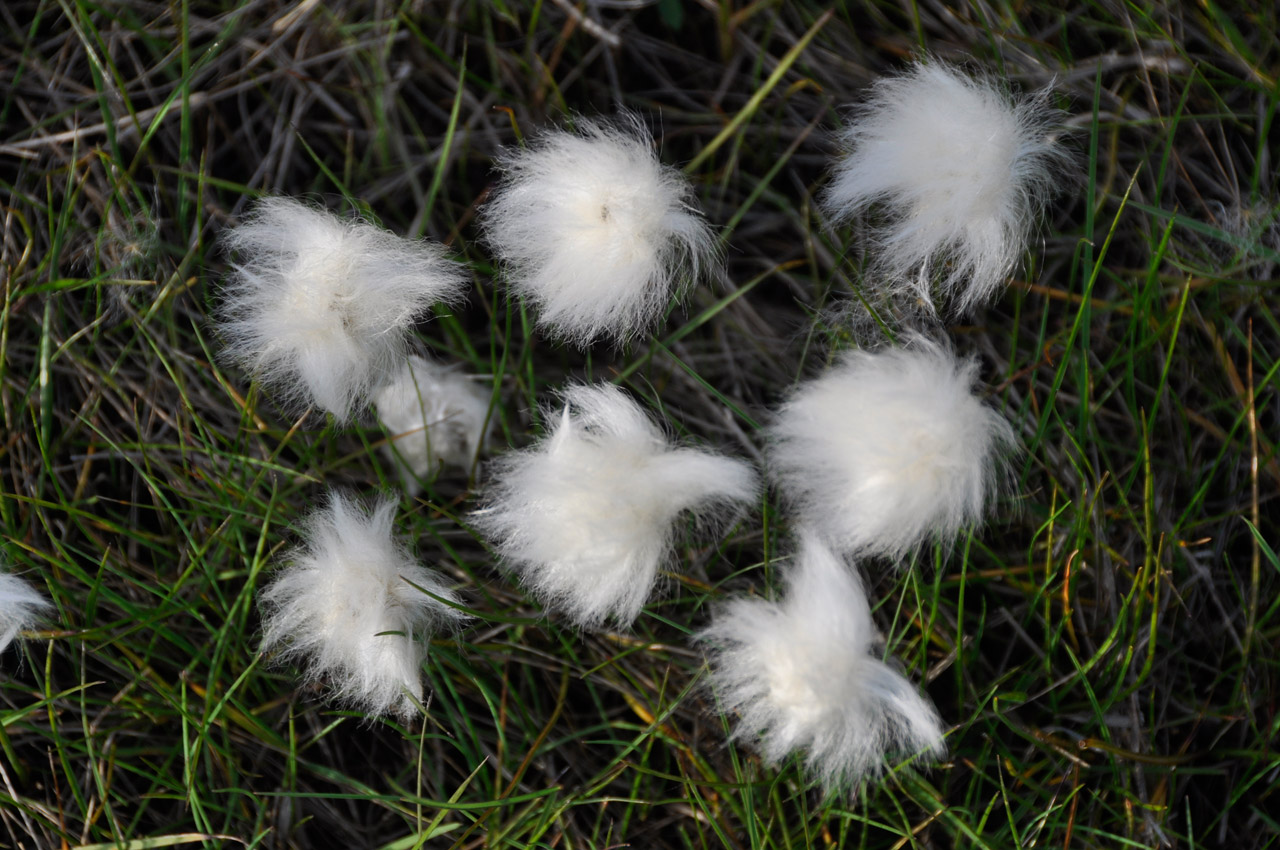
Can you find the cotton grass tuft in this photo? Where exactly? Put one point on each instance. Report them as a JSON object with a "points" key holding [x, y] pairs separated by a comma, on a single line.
{"points": [[890, 449], [354, 608], [800, 674], [320, 308], [20, 604], [962, 168], [587, 516], [435, 416], [594, 230]]}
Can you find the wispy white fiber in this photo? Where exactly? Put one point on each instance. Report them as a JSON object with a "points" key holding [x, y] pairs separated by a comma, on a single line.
{"points": [[801, 675], [354, 607], [1252, 237], [320, 308], [587, 516], [594, 230], [889, 449], [435, 416], [962, 168], [20, 604]]}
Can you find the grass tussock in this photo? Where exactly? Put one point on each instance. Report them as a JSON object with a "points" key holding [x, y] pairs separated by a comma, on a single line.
{"points": [[1105, 655]]}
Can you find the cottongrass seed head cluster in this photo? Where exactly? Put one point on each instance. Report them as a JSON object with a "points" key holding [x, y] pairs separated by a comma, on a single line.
{"points": [[801, 675], [354, 607], [594, 230], [321, 308], [962, 170], [586, 517], [435, 416], [20, 606], [890, 448]]}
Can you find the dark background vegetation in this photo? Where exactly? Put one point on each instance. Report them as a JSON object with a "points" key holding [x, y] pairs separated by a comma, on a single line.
{"points": [[1105, 653]]}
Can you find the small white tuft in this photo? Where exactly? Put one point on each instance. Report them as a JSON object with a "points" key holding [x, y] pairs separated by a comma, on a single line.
{"points": [[587, 516], [320, 308], [594, 230], [346, 604], [889, 449], [19, 605], [963, 170], [435, 416], [800, 674], [1252, 240]]}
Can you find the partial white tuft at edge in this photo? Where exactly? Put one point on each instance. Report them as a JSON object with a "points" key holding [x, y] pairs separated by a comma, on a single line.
{"points": [[587, 516], [889, 449], [800, 674], [20, 604], [595, 231], [435, 416], [345, 604], [320, 308], [963, 169]]}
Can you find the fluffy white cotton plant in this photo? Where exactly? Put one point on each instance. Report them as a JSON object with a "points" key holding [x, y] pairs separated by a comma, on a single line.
{"points": [[20, 605], [435, 416], [320, 308], [594, 230], [962, 169], [354, 608], [802, 677], [890, 449], [587, 517]]}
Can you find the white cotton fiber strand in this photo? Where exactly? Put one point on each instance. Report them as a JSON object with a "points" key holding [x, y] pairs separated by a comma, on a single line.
{"points": [[320, 308], [594, 230], [963, 169], [800, 674], [20, 604], [345, 604], [434, 416], [587, 516], [889, 449]]}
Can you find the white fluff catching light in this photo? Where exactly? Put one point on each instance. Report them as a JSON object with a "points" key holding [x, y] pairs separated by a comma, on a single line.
{"points": [[320, 308], [20, 604], [594, 230], [355, 608], [889, 449], [435, 416], [963, 169], [587, 516], [800, 674]]}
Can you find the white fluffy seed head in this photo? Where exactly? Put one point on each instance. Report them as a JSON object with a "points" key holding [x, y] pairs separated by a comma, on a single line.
{"points": [[594, 230], [962, 168], [587, 516], [801, 675], [320, 308], [20, 605], [346, 606], [434, 417], [890, 449]]}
